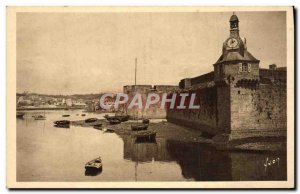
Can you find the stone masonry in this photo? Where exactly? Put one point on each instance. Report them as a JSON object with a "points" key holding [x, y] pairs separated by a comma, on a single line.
{"points": [[238, 100]]}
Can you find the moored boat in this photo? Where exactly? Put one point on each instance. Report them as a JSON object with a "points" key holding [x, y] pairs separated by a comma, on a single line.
{"points": [[122, 118], [98, 126], [39, 117], [114, 121], [83, 115], [62, 123], [109, 131], [148, 135], [90, 120], [95, 164], [139, 126], [65, 115], [20, 115]]}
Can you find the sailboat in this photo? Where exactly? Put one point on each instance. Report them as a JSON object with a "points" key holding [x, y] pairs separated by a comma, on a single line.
{"points": [[142, 134], [137, 126]]}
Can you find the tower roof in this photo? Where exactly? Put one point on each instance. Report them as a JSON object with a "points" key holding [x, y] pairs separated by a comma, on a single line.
{"points": [[236, 57], [234, 18]]}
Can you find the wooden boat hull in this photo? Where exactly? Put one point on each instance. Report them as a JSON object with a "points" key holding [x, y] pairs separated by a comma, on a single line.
{"points": [[121, 118], [93, 165], [139, 127], [147, 136], [91, 120], [109, 131], [93, 168], [20, 115], [62, 126], [92, 172], [62, 122], [98, 126], [114, 122], [39, 118]]}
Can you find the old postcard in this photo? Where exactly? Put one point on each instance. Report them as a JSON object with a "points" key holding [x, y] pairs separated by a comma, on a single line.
{"points": [[150, 97]]}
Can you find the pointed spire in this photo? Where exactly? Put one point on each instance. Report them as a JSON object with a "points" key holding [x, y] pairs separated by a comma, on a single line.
{"points": [[233, 17]]}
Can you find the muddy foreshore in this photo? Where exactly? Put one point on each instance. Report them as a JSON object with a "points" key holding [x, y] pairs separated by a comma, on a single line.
{"points": [[175, 132]]}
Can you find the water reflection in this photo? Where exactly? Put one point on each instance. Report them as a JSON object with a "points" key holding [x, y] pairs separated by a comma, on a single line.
{"points": [[92, 172], [204, 163], [145, 151], [47, 153]]}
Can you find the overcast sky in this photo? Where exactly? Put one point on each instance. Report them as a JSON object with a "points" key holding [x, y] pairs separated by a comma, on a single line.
{"points": [[67, 53]]}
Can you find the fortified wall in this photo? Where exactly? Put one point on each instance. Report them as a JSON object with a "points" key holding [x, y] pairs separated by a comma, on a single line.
{"points": [[154, 111], [238, 99], [242, 108]]}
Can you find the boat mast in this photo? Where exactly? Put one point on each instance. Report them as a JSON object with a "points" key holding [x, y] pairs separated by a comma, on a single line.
{"points": [[137, 162], [135, 71]]}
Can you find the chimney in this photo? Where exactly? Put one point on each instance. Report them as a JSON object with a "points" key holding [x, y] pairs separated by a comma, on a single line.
{"points": [[273, 67]]}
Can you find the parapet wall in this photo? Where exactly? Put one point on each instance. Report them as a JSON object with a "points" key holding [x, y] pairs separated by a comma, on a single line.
{"points": [[204, 118], [261, 109], [196, 81]]}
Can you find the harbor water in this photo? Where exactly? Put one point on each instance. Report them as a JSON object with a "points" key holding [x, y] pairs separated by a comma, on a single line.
{"points": [[47, 153]]}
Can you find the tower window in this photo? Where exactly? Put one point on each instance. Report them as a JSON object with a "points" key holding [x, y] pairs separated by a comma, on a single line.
{"points": [[221, 71], [233, 24], [244, 67]]}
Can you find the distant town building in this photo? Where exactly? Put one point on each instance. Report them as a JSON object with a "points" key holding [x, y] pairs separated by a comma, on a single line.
{"points": [[69, 102]]}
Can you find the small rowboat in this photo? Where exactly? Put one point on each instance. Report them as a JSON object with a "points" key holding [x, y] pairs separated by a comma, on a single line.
{"points": [[145, 135], [65, 115], [39, 117], [90, 120], [109, 131], [62, 124], [98, 126], [83, 115], [122, 118], [95, 164], [114, 121], [20, 115], [139, 127]]}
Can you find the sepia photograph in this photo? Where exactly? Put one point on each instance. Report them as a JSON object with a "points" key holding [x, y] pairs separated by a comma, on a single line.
{"points": [[150, 97]]}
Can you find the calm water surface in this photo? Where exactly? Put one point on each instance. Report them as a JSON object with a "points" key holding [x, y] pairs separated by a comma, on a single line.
{"points": [[46, 153]]}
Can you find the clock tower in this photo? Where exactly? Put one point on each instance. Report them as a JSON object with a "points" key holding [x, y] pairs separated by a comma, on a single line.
{"points": [[236, 62], [236, 75]]}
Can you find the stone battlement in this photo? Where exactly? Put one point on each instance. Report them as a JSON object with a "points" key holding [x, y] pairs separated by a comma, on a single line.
{"points": [[149, 88]]}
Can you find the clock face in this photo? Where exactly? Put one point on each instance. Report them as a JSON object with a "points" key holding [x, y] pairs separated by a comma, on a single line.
{"points": [[232, 42]]}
